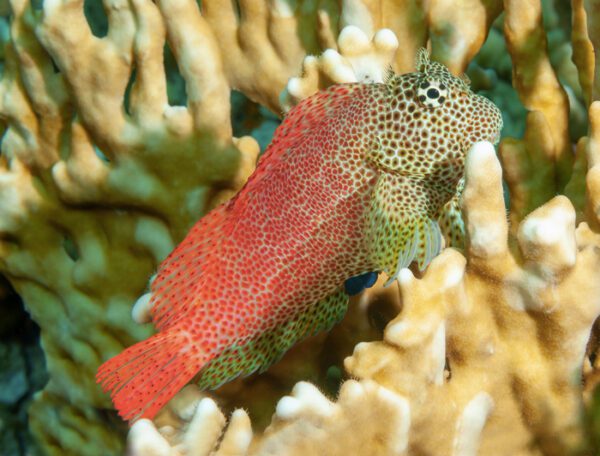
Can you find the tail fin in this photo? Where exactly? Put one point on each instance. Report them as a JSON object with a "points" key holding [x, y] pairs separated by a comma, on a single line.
{"points": [[147, 375]]}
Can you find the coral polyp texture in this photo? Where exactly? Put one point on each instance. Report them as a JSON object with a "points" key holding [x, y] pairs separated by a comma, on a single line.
{"points": [[117, 137]]}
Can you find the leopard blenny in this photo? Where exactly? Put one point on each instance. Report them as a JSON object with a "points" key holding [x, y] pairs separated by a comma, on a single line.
{"points": [[355, 181]]}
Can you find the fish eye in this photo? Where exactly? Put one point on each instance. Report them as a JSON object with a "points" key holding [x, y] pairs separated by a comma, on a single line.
{"points": [[432, 93]]}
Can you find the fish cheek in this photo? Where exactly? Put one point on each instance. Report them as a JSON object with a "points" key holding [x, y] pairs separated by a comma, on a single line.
{"points": [[485, 118]]}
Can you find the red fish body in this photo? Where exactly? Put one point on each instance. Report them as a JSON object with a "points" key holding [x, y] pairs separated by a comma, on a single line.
{"points": [[267, 269]]}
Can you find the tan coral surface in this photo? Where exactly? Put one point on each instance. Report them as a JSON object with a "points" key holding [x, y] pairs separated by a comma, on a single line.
{"points": [[100, 177], [96, 187], [487, 345]]}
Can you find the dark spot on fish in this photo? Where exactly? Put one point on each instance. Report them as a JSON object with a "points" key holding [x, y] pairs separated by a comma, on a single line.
{"points": [[433, 93]]}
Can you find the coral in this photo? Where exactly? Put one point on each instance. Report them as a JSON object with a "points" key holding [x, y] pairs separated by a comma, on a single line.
{"points": [[356, 60], [515, 324], [97, 184], [546, 146], [305, 423], [117, 137], [487, 343]]}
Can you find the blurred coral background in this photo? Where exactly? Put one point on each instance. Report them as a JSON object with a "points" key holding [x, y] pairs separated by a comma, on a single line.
{"points": [[124, 121]]}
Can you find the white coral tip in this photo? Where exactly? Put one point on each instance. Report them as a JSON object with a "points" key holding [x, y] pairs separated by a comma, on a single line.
{"points": [[312, 398], [294, 87], [287, 408], [310, 62], [395, 332], [454, 276], [541, 231], [145, 440], [337, 67], [361, 347], [205, 428], [479, 155], [282, 9], [471, 423], [305, 389], [405, 276], [238, 436], [386, 40], [207, 407], [351, 389], [141, 309], [50, 6], [353, 40]]}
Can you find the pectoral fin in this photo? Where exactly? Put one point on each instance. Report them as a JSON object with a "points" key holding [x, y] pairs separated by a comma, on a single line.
{"points": [[356, 284], [400, 226]]}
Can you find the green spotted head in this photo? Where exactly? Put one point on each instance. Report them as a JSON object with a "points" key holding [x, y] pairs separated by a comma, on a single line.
{"points": [[420, 130], [438, 89], [433, 118]]}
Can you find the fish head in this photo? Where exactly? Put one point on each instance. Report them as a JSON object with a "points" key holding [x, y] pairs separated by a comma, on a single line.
{"points": [[433, 118], [455, 105]]}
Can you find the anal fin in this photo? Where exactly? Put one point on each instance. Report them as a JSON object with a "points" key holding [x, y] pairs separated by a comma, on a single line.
{"points": [[267, 348]]}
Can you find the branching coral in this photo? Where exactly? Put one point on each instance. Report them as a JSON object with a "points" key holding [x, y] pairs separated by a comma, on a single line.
{"points": [[357, 60], [482, 347], [100, 177], [96, 188], [546, 145], [516, 323], [485, 345]]}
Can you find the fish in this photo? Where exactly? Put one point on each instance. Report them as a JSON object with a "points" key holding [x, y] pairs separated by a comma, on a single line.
{"points": [[354, 182]]}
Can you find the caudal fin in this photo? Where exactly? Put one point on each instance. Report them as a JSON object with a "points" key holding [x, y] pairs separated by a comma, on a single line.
{"points": [[143, 378]]}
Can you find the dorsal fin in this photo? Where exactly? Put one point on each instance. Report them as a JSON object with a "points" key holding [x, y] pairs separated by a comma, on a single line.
{"points": [[303, 118], [181, 274]]}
